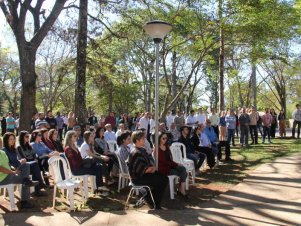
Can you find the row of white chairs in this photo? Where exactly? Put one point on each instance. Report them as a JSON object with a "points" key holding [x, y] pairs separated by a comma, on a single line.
{"points": [[71, 182]]}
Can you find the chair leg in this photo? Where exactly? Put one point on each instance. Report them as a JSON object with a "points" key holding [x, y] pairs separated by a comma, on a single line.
{"points": [[71, 198], [129, 196], [54, 195], [187, 182], [193, 176], [10, 189], [119, 182], [85, 182], [152, 197], [171, 186]]}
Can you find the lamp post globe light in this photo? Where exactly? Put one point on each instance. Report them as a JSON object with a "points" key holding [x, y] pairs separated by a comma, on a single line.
{"points": [[157, 30]]}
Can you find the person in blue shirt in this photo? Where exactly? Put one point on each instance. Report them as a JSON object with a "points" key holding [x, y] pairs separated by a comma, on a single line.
{"points": [[43, 153], [231, 126], [216, 143]]}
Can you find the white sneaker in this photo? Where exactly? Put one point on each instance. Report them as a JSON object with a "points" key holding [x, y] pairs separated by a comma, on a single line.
{"points": [[103, 188], [104, 193]]}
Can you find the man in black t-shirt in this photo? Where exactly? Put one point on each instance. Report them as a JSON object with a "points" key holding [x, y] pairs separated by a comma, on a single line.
{"points": [[92, 120], [52, 124]]}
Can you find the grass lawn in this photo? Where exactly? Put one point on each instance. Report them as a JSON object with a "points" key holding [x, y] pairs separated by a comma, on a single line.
{"points": [[211, 183]]}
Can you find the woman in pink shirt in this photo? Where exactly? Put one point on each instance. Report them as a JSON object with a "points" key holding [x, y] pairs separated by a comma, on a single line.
{"points": [[267, 122]]}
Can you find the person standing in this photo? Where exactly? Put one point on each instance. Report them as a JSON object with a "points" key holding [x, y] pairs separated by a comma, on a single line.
{"points": [[267, 122], [10, 123], [254, 117], [52, 124], [92, 119], [144, 123], [282, 123], [179, 120], [222, 126], [274, 123], [3, 126], [297, 121], [244, 121], [231, 126], [60, 125], [201, 117], [191, 120], [215, 120]]}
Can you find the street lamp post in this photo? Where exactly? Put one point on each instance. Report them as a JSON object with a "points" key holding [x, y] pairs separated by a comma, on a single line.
{"points": [[157, 30]]}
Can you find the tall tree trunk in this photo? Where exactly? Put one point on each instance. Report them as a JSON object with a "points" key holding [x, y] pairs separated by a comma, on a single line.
{"points": [[174, 77], [81, 61], [254, 85], [221, 57], [27, 57]]}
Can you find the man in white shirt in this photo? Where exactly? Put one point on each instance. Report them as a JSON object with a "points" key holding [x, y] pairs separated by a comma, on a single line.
{"points": [[170, 118], [214, 118], [109, 134], [201, 117], [191, 120], [120, 130], [144, 123], [297, 121]]}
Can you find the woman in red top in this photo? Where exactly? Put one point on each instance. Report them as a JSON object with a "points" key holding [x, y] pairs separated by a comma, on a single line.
{"points": [[77, 164], [168, 167]]}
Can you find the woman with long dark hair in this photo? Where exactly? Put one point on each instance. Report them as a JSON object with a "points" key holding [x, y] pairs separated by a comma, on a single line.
{"points": [[168, 167], [53, 137], [77, 163], [25, 151], [15, 171]]}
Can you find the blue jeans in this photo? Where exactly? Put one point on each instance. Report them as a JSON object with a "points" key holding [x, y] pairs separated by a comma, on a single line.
{"points": [[198, 159], [95, 170], [266, 131], [231, 134], [18, 179]]}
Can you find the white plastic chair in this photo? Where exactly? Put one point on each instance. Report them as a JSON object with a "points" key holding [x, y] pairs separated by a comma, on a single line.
{"points": [[178, 152], [112, 146], [10, 189], [68, 183], [84, 179], [173, 179], [124, 175]]}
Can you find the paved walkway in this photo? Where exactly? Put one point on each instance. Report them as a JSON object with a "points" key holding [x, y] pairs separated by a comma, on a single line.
{"points": [[271, 195]]}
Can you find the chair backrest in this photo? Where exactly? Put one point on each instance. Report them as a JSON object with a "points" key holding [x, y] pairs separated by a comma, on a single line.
{"points": [[56, 164], [178, 152], [63, 155], [112, 145], [122, 165]]}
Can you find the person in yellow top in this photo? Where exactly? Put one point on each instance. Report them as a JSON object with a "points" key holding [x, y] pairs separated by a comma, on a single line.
{"points": [[9, 176]]}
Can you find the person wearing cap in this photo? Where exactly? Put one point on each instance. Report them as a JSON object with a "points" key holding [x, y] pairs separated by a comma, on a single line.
{"points": [[216, 143], [197, 158]]}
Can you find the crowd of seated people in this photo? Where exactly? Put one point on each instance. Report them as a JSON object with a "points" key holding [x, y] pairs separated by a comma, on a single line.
{"points": [[86, 147]]}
